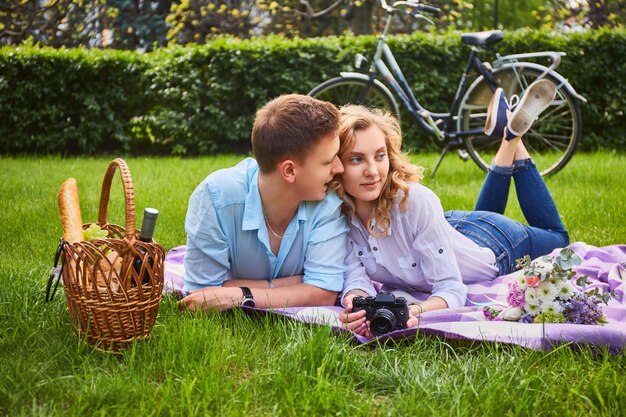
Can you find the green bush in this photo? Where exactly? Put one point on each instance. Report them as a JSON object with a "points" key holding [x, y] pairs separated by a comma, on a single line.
{"points": [[69, 100], [202, 99]]}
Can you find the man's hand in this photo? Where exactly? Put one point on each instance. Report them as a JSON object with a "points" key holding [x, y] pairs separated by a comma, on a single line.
{"points": [[212, 298]]}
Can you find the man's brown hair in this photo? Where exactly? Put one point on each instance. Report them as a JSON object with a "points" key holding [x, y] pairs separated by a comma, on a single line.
{"points": [[289, 126]]}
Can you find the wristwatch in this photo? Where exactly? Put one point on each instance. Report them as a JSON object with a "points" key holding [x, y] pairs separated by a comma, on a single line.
{"points": [[248, 299]]}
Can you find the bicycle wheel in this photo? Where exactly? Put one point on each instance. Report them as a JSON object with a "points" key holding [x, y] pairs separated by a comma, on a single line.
{"points": [[353, 90], [551, 141]]}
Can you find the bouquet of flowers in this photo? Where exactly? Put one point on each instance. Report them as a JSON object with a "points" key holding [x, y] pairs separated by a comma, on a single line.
{"points": [[546, 293]]}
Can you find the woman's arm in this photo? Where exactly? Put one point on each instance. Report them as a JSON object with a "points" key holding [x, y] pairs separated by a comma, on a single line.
{"points": [[433, 250], [432, 304], [356, 281]]}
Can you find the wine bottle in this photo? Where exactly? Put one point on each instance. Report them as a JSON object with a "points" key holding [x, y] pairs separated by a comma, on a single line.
{"points": [[146, 234]]}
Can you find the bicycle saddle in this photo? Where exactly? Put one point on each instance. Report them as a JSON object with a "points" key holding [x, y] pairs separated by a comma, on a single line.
{"points": [[482, 38]]}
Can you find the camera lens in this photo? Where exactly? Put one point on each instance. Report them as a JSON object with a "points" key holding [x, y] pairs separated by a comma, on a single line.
{"points": [[382, 321]]}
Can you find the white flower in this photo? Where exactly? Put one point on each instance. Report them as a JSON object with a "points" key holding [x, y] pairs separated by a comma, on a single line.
{"points": [[521, 281], [532, 308], [531, 296], [551, 307], [553, 280], [546, 292], [511, 313], [566, 290]]}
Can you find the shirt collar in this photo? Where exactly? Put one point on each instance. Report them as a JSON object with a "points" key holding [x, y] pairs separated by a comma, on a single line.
{"points": [[253, 210]]}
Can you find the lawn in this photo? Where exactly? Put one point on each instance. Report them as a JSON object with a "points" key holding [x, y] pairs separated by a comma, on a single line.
{"points": [[233, 364]]}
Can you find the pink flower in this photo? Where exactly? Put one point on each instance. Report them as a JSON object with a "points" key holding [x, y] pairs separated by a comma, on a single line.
{"points": [[533, 281], [516, 297]]}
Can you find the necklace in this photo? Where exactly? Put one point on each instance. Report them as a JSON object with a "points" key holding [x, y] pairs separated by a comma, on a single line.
{"points": [[269, 226]]}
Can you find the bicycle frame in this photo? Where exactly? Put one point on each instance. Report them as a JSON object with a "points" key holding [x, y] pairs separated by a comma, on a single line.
{"points": [[462, 127], [385, 63], [442, 125]]}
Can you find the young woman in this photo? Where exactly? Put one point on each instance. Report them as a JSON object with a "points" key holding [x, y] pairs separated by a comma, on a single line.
{"points": [[401, 237]]}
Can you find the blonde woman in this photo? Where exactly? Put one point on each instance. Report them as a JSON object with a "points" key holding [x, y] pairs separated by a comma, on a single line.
{"points": [[400, 236]]}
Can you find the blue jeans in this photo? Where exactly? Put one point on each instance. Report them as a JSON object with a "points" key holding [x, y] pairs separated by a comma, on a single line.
{"points": [[510, 240]]}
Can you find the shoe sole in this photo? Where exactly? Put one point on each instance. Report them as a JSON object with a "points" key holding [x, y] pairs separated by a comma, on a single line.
{"points": [[492, 113], [536, 99]]}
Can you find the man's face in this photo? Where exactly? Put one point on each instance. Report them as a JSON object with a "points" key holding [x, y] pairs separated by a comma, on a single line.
{"points": [[318, 169]]}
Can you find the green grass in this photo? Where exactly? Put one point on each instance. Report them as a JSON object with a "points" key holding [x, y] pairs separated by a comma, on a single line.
{"points": [[232, 364]]}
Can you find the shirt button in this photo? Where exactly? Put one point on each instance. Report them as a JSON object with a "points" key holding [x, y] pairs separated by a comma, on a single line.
{"points": [[413, 264], [375, 248], [360, 253], [440, 250]]}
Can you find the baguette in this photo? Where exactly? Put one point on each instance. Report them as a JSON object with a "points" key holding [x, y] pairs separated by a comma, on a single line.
{"points": [[69, 210]]}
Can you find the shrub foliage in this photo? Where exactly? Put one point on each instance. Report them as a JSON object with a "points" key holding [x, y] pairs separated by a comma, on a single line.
{"points": [[202, 99]]}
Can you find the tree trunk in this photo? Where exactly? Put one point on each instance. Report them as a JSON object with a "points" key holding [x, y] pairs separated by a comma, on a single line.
{"points": [[361, 22]]}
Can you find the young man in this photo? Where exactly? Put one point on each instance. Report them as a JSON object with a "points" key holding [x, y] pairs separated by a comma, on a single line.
{"points": [[265, 233]]}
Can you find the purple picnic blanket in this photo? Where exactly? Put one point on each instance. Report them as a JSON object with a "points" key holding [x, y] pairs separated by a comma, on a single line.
{"points": [[605, 266]]}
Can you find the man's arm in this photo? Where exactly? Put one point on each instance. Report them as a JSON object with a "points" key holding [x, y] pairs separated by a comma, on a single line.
{"points": [[264, 283], [222, 298], [206, 259], [326, 248]]}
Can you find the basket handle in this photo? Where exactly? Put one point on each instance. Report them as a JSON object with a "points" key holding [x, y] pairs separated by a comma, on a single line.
{"points": [[129, 195]]}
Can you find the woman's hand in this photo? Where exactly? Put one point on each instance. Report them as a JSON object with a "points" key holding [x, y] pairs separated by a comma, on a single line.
{"points": [[412, 321], [356, 322]]}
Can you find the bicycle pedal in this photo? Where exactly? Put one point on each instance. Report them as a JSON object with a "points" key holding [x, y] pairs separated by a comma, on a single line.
{"points": [[463, 154]]}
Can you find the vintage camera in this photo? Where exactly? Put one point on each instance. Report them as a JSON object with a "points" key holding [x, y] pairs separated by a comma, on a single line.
{"points": [[385, 312]]}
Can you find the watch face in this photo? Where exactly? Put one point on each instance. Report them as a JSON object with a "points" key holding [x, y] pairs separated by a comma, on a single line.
{"points": [[248, 302]]}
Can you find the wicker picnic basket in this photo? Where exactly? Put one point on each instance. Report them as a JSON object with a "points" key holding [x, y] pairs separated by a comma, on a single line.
{"points": [[114, 285]]}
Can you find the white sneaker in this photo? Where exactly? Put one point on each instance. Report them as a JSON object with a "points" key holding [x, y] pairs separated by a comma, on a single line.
{"points": [[535, 100]]}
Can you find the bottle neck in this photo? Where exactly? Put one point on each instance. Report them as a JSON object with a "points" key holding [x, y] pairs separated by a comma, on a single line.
{"points": [[147, 226]]}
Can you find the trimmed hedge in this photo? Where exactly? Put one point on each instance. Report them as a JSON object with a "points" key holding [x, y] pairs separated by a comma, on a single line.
{"points": [[69, 101], [202, 99]]}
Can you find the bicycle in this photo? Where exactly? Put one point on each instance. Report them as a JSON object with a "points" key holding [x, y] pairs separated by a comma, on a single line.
{"points": [[552, 139]]}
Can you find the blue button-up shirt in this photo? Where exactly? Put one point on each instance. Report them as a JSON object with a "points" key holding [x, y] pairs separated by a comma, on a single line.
{"points": [[227, 237]]}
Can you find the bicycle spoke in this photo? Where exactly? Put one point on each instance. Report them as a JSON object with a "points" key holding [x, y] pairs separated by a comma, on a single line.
{"points": [[555, 145], [350, 91]]}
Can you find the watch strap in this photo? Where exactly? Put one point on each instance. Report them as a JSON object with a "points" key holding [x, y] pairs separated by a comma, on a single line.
{"points": [[248, 298]]}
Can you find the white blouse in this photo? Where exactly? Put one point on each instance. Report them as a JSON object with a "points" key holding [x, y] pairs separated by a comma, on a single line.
{"points": [[421, 252]]}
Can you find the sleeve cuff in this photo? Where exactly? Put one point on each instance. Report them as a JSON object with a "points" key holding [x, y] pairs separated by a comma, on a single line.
{"points": [[452, 298], [331, 282], [369, 289]]}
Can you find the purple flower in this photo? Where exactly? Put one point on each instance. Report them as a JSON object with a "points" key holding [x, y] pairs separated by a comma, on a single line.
{"points": [[516, 297], [582, 309], [527, 318]]}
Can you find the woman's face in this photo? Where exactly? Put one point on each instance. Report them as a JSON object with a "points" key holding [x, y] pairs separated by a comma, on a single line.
{"points": [[366, 165]]}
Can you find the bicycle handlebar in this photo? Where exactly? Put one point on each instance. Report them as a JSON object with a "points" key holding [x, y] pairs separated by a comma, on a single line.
{"points": [[414, 5], [427, 8]]}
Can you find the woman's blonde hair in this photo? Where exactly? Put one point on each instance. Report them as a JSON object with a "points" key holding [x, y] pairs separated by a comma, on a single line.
{"points": [[401, 171]]}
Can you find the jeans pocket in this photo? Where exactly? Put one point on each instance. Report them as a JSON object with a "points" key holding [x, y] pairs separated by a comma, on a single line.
{"points": [[508, 232], [506, 238]]}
